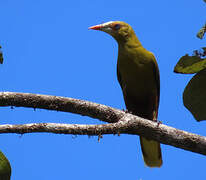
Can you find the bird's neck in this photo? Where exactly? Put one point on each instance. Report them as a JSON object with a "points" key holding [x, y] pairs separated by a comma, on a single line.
{"points": [[130, 42]]}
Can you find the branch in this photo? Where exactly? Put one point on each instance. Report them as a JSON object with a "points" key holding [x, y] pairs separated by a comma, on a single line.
{"points": [[57, 103], [124, 123]]}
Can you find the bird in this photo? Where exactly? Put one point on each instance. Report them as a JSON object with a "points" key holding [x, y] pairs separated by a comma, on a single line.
{"points": [[139, 78]]}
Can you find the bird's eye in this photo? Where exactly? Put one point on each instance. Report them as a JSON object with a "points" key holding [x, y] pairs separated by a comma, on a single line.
{"points": [[117, 26]]}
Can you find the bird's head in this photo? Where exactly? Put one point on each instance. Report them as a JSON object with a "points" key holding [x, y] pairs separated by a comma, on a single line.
{"points": [[121, 31]]}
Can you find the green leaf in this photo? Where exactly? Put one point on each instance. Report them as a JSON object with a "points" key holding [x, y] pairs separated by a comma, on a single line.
{"points": [[5, 168], [192, 64], [194, 96], [202, 31], [1, 58]]}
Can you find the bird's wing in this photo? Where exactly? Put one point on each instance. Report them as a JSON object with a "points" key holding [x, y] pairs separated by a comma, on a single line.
{"points": [[119, 78], [157, 79]]}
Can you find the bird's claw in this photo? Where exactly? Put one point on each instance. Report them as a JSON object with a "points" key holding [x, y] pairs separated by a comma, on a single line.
{"points": [[158, 123], [126, 111]]}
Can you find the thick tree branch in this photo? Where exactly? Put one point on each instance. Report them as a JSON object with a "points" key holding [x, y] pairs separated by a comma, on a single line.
{"points": [[123, 123], [57, 103]]}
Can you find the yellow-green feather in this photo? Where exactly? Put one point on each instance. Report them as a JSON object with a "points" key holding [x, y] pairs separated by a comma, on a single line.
{"points": [[138, 76]]}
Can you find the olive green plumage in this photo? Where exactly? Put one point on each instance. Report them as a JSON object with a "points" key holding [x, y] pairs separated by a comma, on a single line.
{"points": [[138, 75], [5, 167]]}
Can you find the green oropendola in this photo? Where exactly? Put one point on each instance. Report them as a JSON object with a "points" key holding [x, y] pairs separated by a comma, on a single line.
{"points": [[138, 76]]}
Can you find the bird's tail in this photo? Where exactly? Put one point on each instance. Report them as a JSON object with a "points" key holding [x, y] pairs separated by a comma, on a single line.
{"points": [[151, 152]]}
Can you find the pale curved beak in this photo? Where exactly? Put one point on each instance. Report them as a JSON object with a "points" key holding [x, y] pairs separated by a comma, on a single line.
{"points": [[96, 27]]}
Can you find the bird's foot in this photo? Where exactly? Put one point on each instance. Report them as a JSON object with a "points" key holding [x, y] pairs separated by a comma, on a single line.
{"points": [[158, 123], [126, 111]]}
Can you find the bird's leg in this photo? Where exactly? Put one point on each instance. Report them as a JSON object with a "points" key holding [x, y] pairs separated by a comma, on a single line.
{"points": [[158, 123], [125, 110]]}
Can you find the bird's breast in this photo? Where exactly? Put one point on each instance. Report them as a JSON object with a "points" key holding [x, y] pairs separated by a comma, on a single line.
{"points": [[137, 75]]}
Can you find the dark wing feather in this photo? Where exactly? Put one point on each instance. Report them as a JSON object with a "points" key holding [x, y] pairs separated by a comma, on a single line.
{"points": [[119, 78], [157, 79]]}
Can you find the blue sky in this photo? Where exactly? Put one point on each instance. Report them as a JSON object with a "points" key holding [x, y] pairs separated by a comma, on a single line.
{"points": [[48, 49]]}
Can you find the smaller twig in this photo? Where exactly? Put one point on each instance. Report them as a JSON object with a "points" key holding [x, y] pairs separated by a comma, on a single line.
{"points": [[131, 125]]}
